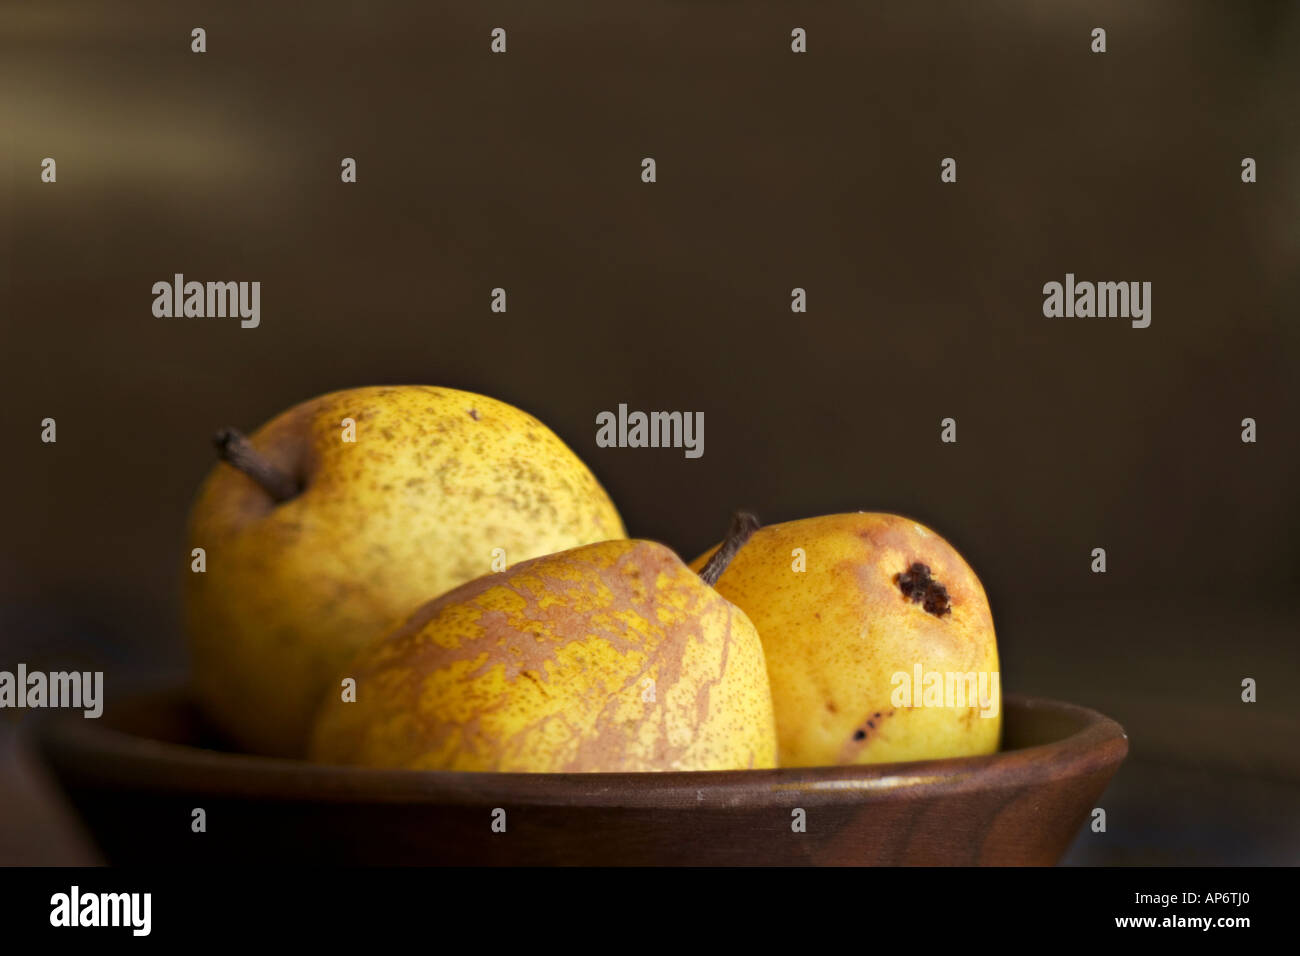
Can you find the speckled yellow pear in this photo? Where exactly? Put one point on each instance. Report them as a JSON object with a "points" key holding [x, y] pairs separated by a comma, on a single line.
{"points": [[315, 544], [878, 638], [609, 657]]}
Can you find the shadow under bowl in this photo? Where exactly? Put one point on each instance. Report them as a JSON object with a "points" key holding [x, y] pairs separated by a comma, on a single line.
{"points": [[137, 774]]}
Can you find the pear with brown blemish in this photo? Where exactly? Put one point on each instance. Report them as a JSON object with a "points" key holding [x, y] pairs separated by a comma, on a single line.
{"points": [[881, 649], [610, 657], [315, 544]]}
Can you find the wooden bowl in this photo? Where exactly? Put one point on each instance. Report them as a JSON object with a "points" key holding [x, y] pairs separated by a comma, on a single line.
{"points": [[137, 774]]}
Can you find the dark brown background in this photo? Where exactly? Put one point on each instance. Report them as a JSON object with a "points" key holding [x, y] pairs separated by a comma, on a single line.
{"points": [[775, 171]]}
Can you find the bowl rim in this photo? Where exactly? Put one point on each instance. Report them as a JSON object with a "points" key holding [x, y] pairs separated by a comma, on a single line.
{"points": [[87, 752]]}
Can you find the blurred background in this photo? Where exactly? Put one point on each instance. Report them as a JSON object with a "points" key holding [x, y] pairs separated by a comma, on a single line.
{"points": [[775, 170]]}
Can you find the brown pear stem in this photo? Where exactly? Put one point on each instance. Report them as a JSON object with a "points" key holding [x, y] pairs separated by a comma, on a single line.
{"points": [[743, 524], [237, 451]]}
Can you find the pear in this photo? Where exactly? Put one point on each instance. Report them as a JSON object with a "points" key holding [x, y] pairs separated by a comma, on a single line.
{"points": [[609, 657], [878, 639], [315, 543]]}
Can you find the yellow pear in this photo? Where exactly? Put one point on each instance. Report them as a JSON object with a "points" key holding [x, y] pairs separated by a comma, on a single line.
{"points": [[878, 638], [609, 657], [344, 514]]}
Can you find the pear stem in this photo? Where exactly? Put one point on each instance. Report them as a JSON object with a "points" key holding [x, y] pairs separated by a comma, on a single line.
{"points": [[237, 451], [743, 524]]}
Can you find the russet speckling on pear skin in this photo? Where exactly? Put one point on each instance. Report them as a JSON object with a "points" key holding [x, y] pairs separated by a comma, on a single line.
{"points": [[878, 602], [609, 657], [359, 534]]}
